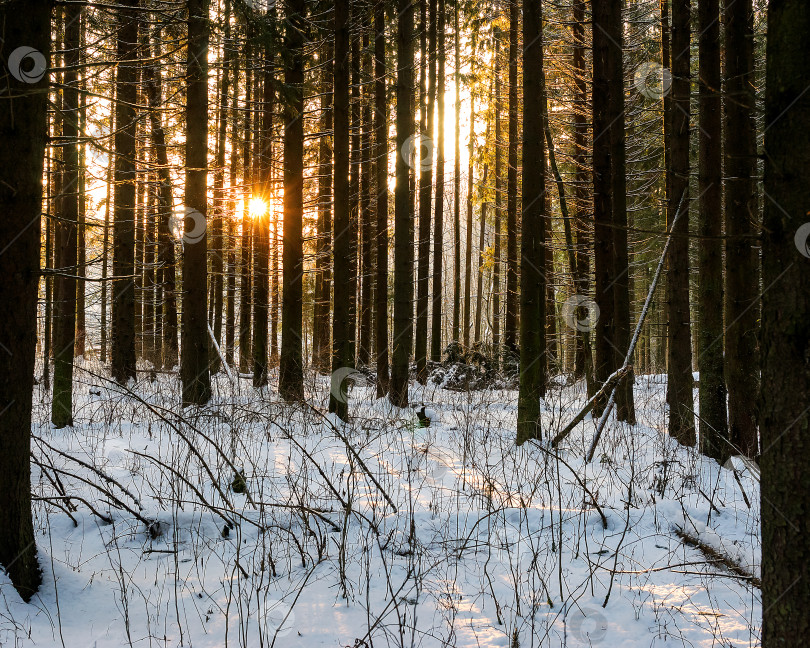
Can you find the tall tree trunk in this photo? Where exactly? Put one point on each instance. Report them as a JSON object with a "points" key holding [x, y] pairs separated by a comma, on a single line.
{"points": [[342, 351], [625, 406], [510, 323], [785, 418], [533, 238], [23, 131], [166, 255], [245, 257], [323, 277], [425, 196], [468, 247], [364, 346], [403, 211], [438, 216], [66, 231], [291, 368], [457, 182], [261, 225], [604, 362], [194, 367], [679, 375], [123, 287], [81, 249], [742, 282], [712, 394], [381, 175], [496, 253], [354, 181]]}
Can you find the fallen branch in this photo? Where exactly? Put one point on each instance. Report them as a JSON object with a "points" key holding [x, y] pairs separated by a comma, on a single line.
{"points": [[712, 553]]}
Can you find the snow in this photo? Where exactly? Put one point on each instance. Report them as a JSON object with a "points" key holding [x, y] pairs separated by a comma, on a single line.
{"points": [[490, 544]]}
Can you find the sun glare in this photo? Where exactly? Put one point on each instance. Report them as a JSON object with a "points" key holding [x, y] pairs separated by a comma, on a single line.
{"points": [[257, 207]]}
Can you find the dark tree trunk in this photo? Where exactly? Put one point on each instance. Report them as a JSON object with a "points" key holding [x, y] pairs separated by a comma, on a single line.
{"points": [[625, 406], [166, 255], [123, 287], [468, 247], [679, 375], [245, 259], [510, 323], [457, 184], [23, 131], [381, 175], [785, 418], [438, 217], [403, 211], [712, 394], [261, 228], [354, 181], [604, 362], [323, 277], [342, 351], [366, 223], [533, 232], [496, 261], [291, 376], [66, 231], [742, 284], [194, 366], [425, 197]]}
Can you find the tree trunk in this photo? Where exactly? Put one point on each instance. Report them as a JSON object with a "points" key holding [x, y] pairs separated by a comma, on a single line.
{"points": [[66, 244], [323, 277], [457, 184], [194, 367], [679, 379], [496, 254], [785, 418], [403, 211], [533, 239], [123, 287], [23, 131], [381, 175], [510, 323], [468, 247], [425, 196], [438, 217], [712, 394], [291, 376], [342, 352], [742, 284], [245, 259], [364, 346]]}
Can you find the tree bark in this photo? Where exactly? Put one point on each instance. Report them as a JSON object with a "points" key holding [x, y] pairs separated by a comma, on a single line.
{"points": [[742, 283], [679, 379], [533, 232], [712, 387], [23, 131], [785, 418], [457, 182], [510, 322], [403, 211], [194, 359], [291, 368], [438, 217]]}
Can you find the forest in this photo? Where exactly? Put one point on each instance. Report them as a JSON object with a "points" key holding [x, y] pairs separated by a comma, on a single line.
{"points": [[366, 323]]}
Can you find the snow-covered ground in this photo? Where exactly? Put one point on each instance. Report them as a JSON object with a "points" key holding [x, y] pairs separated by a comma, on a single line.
{"points": [[380, 532]]}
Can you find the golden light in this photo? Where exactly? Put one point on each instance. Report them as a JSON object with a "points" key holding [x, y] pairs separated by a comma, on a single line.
{"points": [[257, 207]]}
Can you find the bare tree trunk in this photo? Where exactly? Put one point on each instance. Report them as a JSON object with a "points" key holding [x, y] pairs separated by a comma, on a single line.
{"points": [[342, 351], [496, 262], [533, 232], [23, 131], [785, 418], [712, 395], [291, 377], [403, 211], [438, 217], [364, 346], [381, 175], [468, 247], [510, 323], [679, 380], [425, 196], [123, 287], [194, 367], [457, 185], [66, 231], [742, 273], [245, 257]]}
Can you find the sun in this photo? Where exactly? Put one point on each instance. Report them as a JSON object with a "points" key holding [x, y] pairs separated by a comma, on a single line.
{"points": [[257, 207]]}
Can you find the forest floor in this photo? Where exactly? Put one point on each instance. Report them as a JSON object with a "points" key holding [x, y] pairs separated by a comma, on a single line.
{"points": [[379, 532]]}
